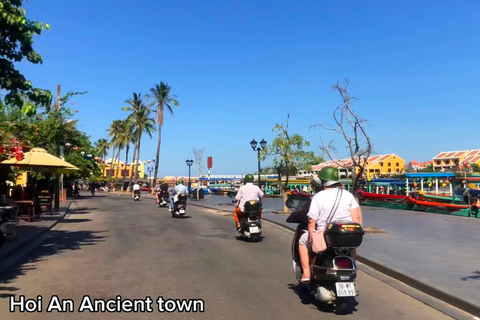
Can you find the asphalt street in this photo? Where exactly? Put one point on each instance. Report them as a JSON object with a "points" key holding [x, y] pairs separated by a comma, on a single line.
{"points": [[112, 246]]}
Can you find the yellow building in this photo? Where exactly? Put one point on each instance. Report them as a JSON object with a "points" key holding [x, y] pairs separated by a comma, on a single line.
{"points": [[119, 169], [376, 165], [386, 164]]}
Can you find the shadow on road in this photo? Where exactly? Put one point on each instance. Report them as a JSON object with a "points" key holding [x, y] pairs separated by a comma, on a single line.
{"points": [[348, 307], [58, 241], [475, 276]]}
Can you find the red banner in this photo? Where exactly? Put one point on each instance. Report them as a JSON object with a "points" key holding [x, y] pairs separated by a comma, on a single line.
{"points": [[209, 162]]}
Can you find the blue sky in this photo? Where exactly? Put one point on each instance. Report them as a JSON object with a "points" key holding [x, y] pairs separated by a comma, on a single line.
{"points": [[239, 67]]}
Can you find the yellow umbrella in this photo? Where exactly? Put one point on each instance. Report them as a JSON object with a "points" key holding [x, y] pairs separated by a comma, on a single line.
{"points": [[40, 160]]}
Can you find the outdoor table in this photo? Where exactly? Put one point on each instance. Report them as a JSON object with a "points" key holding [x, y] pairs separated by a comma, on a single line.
{"points": [[30, 206]]}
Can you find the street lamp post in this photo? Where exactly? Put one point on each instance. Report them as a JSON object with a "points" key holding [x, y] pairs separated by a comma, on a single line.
{"points": [[189, 164], [150, 171], [263, 144]]}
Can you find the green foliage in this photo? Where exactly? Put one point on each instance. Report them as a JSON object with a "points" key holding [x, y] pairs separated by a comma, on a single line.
{"points": [[16, 44], [428, 168], [288, 151], [49, 130]]}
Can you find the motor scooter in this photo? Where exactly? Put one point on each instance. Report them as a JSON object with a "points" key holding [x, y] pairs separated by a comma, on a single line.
{"points": [[163, 199], [179, 206], [136, 195], [250, 222], [333, 271]]}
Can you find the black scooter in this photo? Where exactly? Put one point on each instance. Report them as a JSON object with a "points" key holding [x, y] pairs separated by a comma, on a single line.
{"points": [[180, 206], [163, 199], [332, 272], [250, 223], [136, 195]]}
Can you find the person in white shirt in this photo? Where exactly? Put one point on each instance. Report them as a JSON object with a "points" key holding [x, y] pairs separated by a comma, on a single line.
{"points": [[347, 209], [180, 188], [136, 189], [247, 192]]}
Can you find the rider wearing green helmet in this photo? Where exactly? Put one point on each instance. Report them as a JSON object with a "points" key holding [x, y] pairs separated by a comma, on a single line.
{"points": [[332, 200], [248, 178], [245, 193]]}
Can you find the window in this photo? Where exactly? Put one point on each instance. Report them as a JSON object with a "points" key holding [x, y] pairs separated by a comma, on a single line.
{"points": [[381, 164], [389, 170], [397, 164], [389, 164], [371, 170], [438, 162]]}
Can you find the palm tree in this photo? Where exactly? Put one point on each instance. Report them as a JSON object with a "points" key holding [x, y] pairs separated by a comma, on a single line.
{"points": [[141, 123], [163, 99], [113, 131], [123, 139], [102, 146]]}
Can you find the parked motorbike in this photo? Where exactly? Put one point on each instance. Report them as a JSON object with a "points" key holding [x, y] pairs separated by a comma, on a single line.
{"points": [[179, 206], [136, 195], [333, 272], [163, 197]]}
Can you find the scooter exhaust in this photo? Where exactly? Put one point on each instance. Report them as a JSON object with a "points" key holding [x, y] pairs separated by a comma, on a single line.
{"points": [[325, 295]]}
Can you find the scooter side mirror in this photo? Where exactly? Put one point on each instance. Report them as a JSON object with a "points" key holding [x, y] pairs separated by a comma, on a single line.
{"points": [[290, 204]]}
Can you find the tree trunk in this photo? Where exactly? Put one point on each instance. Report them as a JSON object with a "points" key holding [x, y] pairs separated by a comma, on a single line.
{"points": [[126, 163], [157, 155], [133, 167], [110, 171], [118, 167], [138, 158]]}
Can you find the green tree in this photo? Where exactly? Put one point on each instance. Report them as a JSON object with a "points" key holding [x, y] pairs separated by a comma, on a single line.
{"points": [[113, 132], [141, 123], [428, 168], [16, 44], [102, 146], [163, 99]]}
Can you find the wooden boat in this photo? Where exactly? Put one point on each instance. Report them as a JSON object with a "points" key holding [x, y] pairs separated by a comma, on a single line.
{"points": [[377, 197]]}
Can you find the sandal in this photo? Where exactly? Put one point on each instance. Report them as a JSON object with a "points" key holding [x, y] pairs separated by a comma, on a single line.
{"points": [[305, 280]]}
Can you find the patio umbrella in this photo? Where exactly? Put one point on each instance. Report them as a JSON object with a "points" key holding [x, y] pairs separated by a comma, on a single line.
{"points": [[40, 160]]}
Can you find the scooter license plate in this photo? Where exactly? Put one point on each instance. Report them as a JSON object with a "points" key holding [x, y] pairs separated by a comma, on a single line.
{"points": [[345, 289], [182, 211], [254, 230]]}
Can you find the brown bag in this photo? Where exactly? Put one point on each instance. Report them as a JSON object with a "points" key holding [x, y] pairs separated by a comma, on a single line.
{"points": [[318, 240]]}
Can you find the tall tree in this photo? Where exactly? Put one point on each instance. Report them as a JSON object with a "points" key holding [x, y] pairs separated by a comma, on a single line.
{"points": [[113, 131], [141, 123], [102, 147], [16, 44], [162, 99], [352, 128], [289, 154]]}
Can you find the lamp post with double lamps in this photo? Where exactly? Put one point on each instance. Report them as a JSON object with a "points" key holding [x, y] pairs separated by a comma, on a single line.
{"points": [[150, 171], [189, 164], [263, 144]]}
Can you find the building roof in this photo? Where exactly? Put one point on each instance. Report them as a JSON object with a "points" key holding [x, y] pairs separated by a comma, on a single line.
{"points": [[472, 157], [450, 155], [347, 163]]}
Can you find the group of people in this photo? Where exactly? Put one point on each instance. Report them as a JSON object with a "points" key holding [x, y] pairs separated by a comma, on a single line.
{"points": [[330, 200], [162, 189]]}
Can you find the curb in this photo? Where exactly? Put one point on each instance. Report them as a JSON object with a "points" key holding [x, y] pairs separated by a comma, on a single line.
{"points": [[28, 240], [400, 276]]}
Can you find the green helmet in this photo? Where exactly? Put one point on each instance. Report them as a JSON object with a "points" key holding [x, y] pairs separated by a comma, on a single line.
{"points": [[248, 178], [329, 175], [161, 181], [180, 181]]}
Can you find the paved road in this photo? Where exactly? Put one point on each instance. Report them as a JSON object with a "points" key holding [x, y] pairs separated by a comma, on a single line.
{"points": [[113, 246]]}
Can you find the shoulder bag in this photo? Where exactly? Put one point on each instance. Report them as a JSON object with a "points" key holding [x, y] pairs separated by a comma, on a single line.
{"points": [[318, 241]]}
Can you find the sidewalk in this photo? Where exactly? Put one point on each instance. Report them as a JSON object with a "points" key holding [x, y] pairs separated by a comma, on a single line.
{"points": [[28, 231], [434, 253]]}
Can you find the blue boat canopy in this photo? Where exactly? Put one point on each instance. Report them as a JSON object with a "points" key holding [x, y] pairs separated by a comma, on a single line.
{"points": [[429, 175]]}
